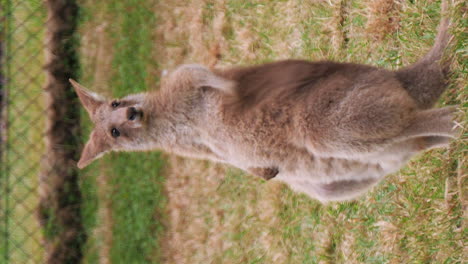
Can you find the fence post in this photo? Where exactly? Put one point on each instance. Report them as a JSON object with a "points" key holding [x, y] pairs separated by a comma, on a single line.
{"points": [[60, 196]]}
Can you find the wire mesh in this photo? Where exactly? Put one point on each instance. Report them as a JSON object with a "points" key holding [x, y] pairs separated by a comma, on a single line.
{"points": [[22, 31], [23, 120]]}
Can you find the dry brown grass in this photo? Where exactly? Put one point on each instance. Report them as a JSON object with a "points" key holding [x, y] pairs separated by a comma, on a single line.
{"points": [[183, 36], [209, 32], [97, 51], [189, 239], [104, 231], [339, 32]]}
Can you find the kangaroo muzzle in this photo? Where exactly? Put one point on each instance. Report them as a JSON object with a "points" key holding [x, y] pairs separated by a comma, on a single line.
{"points": [[134, 114]]}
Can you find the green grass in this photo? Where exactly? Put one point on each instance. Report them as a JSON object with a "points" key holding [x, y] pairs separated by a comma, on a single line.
{"points": [[135, 196], [138, 197]]}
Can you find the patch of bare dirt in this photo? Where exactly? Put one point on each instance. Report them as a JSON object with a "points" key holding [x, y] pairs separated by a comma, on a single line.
{"points": [[383, 18], [96, 53]]}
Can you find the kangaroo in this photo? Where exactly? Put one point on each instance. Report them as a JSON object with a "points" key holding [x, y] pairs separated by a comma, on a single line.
{"points": [[330, 130]]}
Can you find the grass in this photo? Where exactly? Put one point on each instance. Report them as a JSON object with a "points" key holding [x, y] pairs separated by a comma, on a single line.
{"points": [[21, 161], [131, 197]]}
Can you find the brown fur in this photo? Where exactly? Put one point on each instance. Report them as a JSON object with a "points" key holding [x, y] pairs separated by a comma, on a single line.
{"points": [[331, 130]]}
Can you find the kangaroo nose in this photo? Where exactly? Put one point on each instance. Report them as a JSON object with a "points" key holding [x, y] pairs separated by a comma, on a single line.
{"points": [[132, 113]]}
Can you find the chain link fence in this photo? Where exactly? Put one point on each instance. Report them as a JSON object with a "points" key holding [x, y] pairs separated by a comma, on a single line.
{"points": [[40, 199]]}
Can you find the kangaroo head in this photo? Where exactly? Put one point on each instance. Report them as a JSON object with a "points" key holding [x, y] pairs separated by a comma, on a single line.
{"points": [[120, 124]]}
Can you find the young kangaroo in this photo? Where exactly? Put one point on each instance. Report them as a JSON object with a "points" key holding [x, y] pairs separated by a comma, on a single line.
{"points": [[330, 130]]}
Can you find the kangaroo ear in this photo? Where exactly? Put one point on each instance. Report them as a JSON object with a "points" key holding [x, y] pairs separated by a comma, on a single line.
{"points": [[91, 101], [224, 85], [199, 76], [95, 148]]}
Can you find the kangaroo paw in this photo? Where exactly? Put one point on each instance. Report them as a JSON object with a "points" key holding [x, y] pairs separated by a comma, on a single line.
{"points": [[265, 173]]}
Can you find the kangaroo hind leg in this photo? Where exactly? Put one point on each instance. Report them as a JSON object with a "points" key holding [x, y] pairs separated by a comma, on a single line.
{"points": [[343, 190], [434, 142]]}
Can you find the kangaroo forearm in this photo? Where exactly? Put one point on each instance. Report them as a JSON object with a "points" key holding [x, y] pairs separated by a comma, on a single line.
{"points": [[266, 173]]}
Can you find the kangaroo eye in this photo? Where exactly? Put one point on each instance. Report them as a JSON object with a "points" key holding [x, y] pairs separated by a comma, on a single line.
{"points": [[114, 104], [115, 133]]}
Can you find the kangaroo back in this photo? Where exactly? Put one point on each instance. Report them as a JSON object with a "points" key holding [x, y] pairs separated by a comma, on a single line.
{"points": [[425, 80]]}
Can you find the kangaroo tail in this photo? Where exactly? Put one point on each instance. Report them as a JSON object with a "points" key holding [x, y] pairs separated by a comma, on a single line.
{"points": [[425, 80]]}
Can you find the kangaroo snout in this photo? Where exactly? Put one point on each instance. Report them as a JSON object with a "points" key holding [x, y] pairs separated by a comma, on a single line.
{"points": [[134, 114]]}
